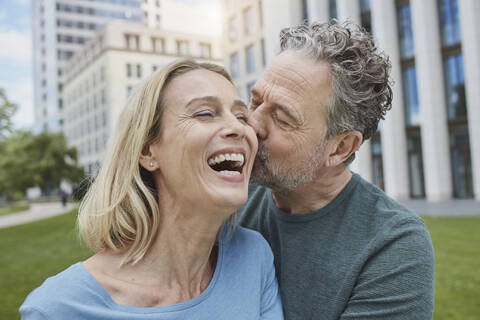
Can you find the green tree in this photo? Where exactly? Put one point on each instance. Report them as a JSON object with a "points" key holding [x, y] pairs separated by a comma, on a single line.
{"points": [[42, 160], [7, 110]]}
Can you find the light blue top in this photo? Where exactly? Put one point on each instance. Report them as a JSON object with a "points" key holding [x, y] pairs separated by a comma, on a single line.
{"points": [[243, 287]]}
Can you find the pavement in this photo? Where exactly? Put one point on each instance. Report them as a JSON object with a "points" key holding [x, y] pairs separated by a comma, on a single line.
{"points": [[37, 211], [447, 208]]}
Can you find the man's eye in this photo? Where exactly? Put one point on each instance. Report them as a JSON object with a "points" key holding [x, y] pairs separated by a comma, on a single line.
{"points": [[280, 121], [242, 117], [253, 105]]}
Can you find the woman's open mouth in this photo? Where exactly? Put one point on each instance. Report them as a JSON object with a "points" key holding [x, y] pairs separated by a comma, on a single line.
{"points": [[228, 164]]}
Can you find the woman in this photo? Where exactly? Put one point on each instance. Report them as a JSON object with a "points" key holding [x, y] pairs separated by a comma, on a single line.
{"points": [[158, 213]]}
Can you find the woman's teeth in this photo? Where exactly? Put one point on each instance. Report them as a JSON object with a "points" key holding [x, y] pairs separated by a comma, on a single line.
{"points": [[237, 157]]}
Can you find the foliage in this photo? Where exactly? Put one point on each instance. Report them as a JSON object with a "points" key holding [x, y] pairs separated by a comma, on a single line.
{"points": [[7, 110], [42, 160], [31, 253]]}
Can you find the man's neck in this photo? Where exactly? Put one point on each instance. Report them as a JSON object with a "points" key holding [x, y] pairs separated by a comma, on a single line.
{"points": [[314, 195]]}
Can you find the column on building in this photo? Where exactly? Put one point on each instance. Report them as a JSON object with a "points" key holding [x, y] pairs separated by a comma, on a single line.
{"points": [[394, 144], [469, 11], [318, 10], [350, 10], [278, 14], [433, 109]]}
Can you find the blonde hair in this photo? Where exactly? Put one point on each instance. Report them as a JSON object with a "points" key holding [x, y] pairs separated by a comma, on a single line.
{"points": [[120, 209]]}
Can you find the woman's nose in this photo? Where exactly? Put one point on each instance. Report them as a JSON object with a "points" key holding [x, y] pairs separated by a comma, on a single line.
{"points": [[234, 127]]}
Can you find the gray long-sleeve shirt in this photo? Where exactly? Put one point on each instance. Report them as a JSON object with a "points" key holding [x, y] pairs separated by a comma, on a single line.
{"points": [[363, 256]]}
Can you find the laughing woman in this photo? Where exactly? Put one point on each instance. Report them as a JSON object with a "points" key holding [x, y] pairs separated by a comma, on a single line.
{"points": [[159, 213]]}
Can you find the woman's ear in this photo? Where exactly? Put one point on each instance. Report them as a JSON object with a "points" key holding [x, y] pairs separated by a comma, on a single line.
{"points": [[147, 159], [345, 145]]}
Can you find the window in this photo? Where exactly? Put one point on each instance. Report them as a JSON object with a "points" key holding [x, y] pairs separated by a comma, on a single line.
{"points": [[249, 90], [154, 68], [139, 70], [366, 15], [332, 7], [377, 161], [235, 65], [232, 29], [248, 21], [183, 48], [132, 42], [405, 31], [129, 90], [250, 56], [264, 58], [129, 70], [449, 22], [158, 44], [205, 50], [305, 12], [158, 20], [455, 87], [364, 6], [410, 91]]}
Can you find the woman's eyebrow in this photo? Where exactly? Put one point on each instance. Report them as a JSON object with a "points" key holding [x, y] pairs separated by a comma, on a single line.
{"points": [[210, 99]]}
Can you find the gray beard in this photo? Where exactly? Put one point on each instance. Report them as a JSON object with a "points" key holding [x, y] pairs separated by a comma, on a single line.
{"points": [[285, 177]]}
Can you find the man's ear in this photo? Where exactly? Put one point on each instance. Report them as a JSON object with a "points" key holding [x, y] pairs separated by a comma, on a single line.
{"points": [[147, 159], [344, 145]]}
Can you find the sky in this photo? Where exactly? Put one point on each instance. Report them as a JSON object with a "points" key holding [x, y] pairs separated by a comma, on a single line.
{"points": [[16, 55], [16, 58]]}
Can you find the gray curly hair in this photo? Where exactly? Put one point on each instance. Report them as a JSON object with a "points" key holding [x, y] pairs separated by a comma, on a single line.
{"points": [[361, 87]]}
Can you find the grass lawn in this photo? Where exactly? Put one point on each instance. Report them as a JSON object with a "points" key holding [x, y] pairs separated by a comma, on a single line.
{"points": [[32, 252], [16, 207], [457, 272]]}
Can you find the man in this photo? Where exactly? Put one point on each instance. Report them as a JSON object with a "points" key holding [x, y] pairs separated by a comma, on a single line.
{"points": [[343, 249]]}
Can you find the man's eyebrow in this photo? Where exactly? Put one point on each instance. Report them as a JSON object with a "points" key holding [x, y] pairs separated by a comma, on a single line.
{"points": [[240, 103]]}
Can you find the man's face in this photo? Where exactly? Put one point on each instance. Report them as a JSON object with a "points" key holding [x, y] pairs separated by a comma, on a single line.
{"points": [[288, 114]]}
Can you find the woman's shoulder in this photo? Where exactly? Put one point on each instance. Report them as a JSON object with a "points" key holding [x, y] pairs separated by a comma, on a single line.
{"points": [[57, 291], [247, 242]]}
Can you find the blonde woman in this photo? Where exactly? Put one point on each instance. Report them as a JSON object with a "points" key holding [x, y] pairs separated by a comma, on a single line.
{"points": [[158, 214]]}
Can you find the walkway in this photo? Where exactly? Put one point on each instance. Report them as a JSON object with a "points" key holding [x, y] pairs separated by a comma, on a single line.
{"points": [[37, 211], [448, 208]]}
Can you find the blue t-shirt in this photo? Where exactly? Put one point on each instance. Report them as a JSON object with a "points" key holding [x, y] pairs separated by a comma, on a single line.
{"points": [[243, 287]]}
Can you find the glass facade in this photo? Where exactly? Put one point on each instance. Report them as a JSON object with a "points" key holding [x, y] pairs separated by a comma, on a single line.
{"points": [[415, 164], [461, 163], [250, 55], [449, 22], [234, 65], [377, 161], [404, 19], [410, 96], [332, 7], [364, 6], [455, 87]]}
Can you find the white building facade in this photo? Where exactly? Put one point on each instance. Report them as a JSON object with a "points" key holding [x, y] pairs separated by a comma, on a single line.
{"points": [[428, 146], [99, 78]]}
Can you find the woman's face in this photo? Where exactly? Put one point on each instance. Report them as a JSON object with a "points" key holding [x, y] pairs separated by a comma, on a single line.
{"points": [[206, 148]]}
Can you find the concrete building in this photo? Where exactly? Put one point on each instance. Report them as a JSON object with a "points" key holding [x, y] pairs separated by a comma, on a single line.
{"points": [[428, 146], [59, 29], [99, 78]]}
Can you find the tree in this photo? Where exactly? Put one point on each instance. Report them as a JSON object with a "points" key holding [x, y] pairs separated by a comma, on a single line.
{"points": [[7, 110], [42, 160]]}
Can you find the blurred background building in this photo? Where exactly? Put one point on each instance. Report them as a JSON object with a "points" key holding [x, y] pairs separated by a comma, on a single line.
{"points": [[428, 146], [99, 78]]}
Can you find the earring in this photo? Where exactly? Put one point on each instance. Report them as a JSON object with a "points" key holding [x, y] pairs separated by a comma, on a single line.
{"points": [[151, 164]]}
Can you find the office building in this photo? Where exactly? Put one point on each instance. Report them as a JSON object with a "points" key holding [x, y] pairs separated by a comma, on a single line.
{"points": [[428, 146], [99, 78]]}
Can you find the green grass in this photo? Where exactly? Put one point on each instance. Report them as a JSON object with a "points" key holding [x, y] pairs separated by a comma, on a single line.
{"points": [[457, 267], [14, 208], [32, 252]]}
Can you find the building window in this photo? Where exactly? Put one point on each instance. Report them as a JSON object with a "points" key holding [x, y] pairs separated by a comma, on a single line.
{"points": [[183, 48], [129, 90], [132, 42], [377, 161], [235, 65], [455, 87], [365, 6], [305, 12], [366, 15], [415, 164], [158, 44], [139, 70], [205, 50], [410, 93], [158, 20], [449, 22], [129, 70], [332, 7], [405, 31], [232, 29], [248, 21], [250, 56], [264, 56], [461, 162]]}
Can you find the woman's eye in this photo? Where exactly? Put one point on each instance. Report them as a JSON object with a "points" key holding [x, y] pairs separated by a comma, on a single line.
{"points": [[204, 114], [242, 117]]}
